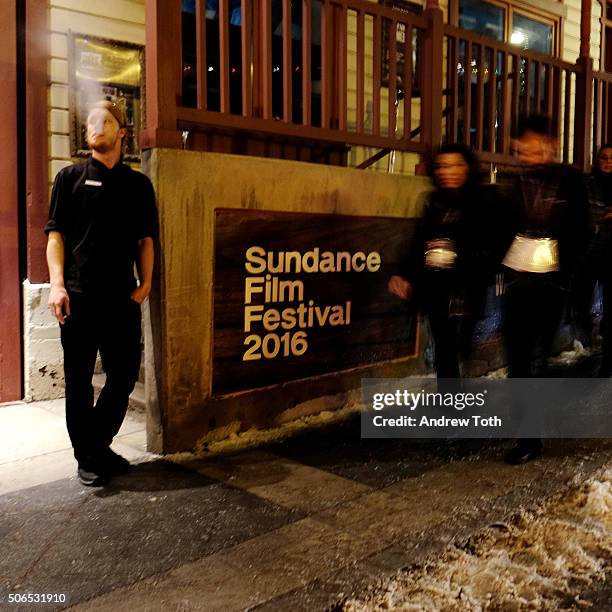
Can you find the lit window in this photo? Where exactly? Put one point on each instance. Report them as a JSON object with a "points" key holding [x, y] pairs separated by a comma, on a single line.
{"points": [[531, 34], [505, 22]]}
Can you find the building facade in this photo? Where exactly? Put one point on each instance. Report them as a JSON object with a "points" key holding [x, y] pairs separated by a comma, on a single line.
{"points": [[343, 84]]}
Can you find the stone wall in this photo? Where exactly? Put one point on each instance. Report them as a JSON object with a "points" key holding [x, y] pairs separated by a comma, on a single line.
{"points": [[44, 372]]}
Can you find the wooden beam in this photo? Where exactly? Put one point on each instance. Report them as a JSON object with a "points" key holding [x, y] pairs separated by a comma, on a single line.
{"points": [[585, 28], [431, 79], [37, 157], [583, 114], [10, 287], [163, 74]]}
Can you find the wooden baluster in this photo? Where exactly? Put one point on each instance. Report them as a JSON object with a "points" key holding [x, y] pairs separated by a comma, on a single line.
{"points": [[492, 99], [306, 61], [537, 108], [287, 63], [224, 58], [507, 93], [392, 77], [377, 69], [480, 97], [467, 94], [247, 83], [266, 58], [566, 115], [516, 89], [360, 70], [326, 63], [201, 54], [341, 63], [407, 82]]}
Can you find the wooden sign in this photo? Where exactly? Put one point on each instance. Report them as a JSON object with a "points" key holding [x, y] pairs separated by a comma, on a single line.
{"points": [[299, 295]]}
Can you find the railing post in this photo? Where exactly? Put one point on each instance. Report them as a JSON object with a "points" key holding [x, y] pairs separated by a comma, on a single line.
{"points": [[431, 79], [163, 74], [584, 93], [582, 113]]}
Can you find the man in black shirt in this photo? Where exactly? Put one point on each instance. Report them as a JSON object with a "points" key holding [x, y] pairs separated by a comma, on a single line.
{"points": [[102, 222]]}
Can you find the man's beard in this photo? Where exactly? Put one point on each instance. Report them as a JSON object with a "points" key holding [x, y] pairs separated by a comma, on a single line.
{"points": [[102, 146]]}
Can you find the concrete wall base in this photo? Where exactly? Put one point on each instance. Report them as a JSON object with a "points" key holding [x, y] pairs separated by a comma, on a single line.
{"points": [[43, 358]]}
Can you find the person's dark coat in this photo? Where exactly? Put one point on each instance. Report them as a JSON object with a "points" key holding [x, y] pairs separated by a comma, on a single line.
{"points": [[468, 217], [549, 201]]}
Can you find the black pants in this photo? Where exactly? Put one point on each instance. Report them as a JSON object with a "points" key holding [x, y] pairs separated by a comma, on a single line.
{"points": [[112, 327], [533, 311], [605, 327], [452, 335]]}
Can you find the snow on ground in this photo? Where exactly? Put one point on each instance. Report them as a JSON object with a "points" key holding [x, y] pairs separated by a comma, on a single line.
{"points": [[254, 437], [232, 439], [570, 357], [565, 358], [538, 561]]}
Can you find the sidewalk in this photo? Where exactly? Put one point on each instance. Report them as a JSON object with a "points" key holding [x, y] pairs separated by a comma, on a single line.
{"points": [[298, 525]]}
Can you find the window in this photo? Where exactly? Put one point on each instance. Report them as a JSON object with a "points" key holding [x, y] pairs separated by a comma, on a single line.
{"points": [[606, 48], [532, 34], [488, 19], [506, 21], [105, 69], [402, 45]]}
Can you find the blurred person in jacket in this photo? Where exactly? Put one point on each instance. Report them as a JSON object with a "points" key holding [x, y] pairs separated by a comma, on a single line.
{"points": [[545, 234], [446, 271], [596, 267]]}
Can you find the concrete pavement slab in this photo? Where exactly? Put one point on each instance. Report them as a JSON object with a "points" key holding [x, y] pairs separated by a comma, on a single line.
{"points": [[36, 448], [376, 463], [296, 554], [281, 480], [29, 430], [60, 537], [209, 585], [244, 576], [38, 470]]}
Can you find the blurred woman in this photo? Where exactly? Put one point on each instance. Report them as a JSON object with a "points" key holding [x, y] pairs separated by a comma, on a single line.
{"points": [[597, 267], [446, 271]]}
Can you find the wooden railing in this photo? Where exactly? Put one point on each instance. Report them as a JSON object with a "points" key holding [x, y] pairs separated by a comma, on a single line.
{"points": [[357, 73], [326, 84], [602, 110], [489, 85]]}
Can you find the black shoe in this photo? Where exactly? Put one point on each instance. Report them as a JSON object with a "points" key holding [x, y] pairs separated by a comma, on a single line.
{"points": [[92, 476], [522, 453], [113, 463]]}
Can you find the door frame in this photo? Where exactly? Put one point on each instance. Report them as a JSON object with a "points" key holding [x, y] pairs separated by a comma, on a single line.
{"points": [[11, 358]]}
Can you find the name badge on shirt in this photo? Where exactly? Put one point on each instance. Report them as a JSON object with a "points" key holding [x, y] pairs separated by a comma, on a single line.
{"points": [[93, 183]]}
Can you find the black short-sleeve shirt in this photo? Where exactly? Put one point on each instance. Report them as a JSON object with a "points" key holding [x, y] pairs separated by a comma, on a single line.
{"points": [[102, 214]]}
